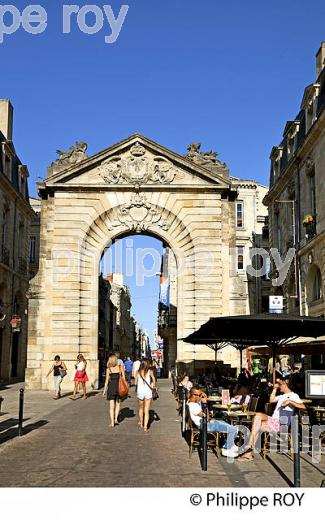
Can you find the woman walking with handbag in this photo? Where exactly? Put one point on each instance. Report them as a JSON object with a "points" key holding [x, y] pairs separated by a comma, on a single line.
{"points": [[59, 370], [115, 388], [80, 376], [146, 385]]}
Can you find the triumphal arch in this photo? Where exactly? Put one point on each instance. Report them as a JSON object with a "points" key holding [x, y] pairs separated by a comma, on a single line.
{"points": [[134, 186]]}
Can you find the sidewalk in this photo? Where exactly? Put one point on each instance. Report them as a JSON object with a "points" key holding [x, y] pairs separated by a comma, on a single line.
{"points": [[37, 405], [69, 444]]}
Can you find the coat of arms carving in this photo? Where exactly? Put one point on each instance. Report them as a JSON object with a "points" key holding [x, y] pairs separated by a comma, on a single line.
{"points": [[137, 168], [139, 215]]}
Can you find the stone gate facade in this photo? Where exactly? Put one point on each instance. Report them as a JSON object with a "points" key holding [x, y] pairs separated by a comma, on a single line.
{"points": [[135, 186]]}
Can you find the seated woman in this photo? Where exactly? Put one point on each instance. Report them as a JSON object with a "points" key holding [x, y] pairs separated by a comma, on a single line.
{"points": [[285, 406], [186, 383], [241, 395]]}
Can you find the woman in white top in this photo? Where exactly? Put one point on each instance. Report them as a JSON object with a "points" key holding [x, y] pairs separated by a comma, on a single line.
{"points": [[145, 381], [80, 376]]}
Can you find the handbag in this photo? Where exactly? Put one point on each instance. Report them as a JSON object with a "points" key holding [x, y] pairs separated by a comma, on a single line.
{"points": [[154, 390], [123, 387], [63, 372]]}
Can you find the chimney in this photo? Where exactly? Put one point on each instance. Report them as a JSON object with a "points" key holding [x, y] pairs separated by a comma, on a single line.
{"points": [[320, 57], [6, 118]]}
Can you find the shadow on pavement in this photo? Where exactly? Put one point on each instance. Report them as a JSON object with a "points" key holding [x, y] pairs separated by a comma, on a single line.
{"points": [[12, 432], [126, 413]]}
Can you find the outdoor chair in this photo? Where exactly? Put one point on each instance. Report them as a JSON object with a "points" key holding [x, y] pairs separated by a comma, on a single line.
{"points": [[284, 438], [213, 439]]}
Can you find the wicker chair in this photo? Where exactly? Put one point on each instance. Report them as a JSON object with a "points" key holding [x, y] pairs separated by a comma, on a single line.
{"points": [[195, 438]]}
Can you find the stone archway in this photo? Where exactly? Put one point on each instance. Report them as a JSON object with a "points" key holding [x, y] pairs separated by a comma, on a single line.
{"points": [[134, 186]]}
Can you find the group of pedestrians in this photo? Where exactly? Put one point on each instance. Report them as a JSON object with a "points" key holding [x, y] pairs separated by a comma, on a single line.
{"points": [[119, 375]]}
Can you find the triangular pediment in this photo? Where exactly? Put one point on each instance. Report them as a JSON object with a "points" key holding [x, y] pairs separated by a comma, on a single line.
{"points": [[135, 161]]}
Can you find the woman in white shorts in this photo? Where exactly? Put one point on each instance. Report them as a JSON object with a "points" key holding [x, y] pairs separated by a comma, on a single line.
{"points": [[145, 382]]}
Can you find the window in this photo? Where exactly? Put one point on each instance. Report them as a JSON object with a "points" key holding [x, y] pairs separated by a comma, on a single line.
{"points": [[317, 290], [7, 166], [239, 214], [4, 228], [240, 258], [32, 250], [313, 193]]}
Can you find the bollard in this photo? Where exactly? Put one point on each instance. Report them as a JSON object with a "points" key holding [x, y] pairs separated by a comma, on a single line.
{"points": [[295, 433], [1, 401], [184, 395], [204, 438], [21, 412]]}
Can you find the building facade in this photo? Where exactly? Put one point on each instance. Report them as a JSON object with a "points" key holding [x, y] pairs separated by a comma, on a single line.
{"points": [[15, 220], [295, 201]]}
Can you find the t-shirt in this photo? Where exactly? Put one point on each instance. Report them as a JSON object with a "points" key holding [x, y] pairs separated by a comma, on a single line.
{"points": [[128, 365], [136, 366], [291, 396], [120, 362], [195, 409]]}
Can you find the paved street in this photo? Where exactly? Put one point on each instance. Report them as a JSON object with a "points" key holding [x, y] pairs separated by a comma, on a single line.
{"points": [[71, 445]]}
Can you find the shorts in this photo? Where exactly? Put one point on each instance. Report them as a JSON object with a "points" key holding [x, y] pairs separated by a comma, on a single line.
{"points": [[273, 424], [144, 394]]}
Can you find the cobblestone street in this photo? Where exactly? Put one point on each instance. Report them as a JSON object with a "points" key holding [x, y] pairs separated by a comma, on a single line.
{"points": [[73, 446]]}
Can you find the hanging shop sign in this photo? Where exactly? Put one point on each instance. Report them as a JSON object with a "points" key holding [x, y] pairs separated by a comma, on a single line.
{"points": [[15, 323]]}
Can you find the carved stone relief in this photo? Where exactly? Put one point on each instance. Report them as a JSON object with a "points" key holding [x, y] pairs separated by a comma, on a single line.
{"points": [[137, 168], [139, 215], [206, 159], [73, 156]]}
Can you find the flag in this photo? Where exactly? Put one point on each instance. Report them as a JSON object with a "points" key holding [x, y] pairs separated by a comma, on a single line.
{"points": [[164, 291]]}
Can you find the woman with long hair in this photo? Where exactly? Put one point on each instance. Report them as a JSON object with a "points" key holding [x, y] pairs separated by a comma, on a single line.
{"points": [[80, 376], [145, 382], [113, 374]]}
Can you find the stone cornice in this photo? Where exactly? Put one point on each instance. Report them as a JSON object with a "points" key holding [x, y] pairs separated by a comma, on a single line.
{"points": [[298, 158], [11, 191]]}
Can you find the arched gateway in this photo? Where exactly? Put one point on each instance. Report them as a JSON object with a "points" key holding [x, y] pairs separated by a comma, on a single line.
{"points": [[134, 186]]}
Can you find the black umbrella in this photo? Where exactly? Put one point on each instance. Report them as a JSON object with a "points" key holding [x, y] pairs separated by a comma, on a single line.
{"points": [[245, 331]]}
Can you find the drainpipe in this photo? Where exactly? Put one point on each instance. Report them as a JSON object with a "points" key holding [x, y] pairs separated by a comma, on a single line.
{"points": [[298, 237], [12, 285]]}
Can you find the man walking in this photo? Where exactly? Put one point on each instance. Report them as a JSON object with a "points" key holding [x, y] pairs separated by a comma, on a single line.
{"points": [[128, 364]]}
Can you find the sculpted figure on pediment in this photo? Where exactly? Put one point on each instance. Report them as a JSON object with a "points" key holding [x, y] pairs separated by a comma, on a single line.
{"points": [[206, 159], [74, 155]]}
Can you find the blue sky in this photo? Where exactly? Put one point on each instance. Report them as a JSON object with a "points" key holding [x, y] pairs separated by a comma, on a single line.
{"points": [[226, 73]]}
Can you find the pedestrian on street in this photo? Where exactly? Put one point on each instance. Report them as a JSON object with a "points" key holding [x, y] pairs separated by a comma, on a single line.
{"points": [[59, 370], [80, 376], [145, 382], [120, 362], [128, 364], [113, 373], [135, 369]]}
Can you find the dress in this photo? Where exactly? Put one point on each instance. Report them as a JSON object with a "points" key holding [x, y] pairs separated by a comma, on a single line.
{"points": [[80, 375], [112, 391], [144, 387]]}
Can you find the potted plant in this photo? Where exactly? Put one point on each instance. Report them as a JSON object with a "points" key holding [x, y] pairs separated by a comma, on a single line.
{"points": [[308, 219]]}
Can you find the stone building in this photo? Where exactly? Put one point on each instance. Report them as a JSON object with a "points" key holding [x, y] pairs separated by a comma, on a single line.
{"points": [[295, 201], [34, 239], [122, 323], [248, 294], [15, 219]]}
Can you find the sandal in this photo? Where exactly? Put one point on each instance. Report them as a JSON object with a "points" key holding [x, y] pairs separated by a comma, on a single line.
{"points": [[145, 429], [245, 459]]}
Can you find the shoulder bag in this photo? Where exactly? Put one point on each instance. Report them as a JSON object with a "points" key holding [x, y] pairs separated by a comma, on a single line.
{"points": [[123, 387], [154, 390]]}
